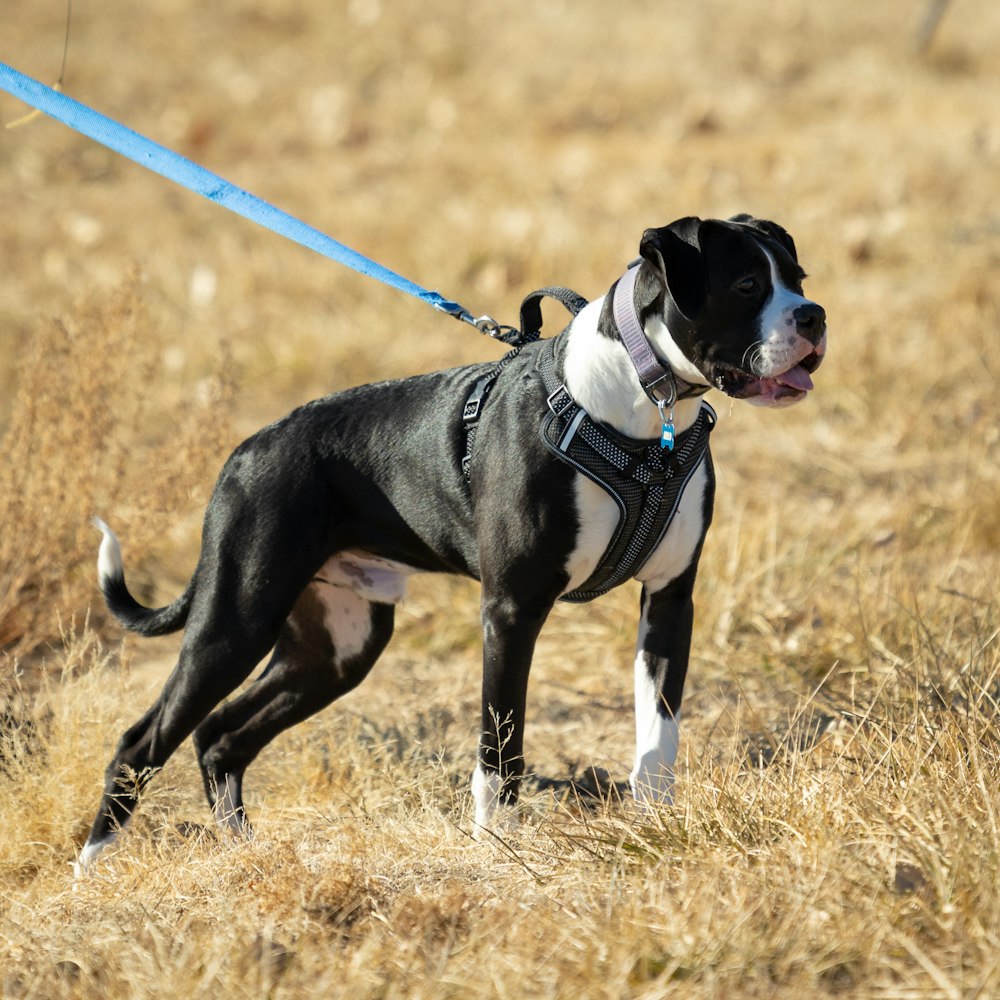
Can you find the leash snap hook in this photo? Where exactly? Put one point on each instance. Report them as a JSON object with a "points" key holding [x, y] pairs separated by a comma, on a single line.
{"points": [[488, 326]]}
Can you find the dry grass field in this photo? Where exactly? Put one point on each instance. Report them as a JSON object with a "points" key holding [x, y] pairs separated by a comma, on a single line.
{"points": [[837, 823]]}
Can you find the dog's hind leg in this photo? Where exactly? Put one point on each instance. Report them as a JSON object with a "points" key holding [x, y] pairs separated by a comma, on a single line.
{"points": [[328, 645], [233, 624], [206, 671], [266, 528]]}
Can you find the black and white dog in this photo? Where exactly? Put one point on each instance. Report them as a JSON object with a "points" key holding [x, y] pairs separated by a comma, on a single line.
{"points": [[318, 520]]}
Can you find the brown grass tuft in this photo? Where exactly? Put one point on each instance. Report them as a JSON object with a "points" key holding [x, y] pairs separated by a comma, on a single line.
{"points": [[85, 436]]}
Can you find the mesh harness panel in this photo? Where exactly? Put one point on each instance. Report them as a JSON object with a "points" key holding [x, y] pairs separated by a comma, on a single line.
{"points": [[645, 481]]}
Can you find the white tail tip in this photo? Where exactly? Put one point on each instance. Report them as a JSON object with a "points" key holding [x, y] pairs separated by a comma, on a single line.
{"points": [[109, 556]]}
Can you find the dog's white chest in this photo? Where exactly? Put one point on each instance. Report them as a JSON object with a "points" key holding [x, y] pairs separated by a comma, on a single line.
{"points": [[598, 516]]}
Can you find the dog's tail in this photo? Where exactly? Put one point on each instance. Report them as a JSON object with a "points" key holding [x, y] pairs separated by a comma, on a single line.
{"points": [[133, 615]]}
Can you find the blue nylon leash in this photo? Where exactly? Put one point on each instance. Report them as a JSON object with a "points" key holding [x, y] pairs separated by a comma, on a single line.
{"points": [[184, 172]]}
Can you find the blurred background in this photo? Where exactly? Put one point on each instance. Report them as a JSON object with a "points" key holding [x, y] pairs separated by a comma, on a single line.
{"points": [[485, 150]]}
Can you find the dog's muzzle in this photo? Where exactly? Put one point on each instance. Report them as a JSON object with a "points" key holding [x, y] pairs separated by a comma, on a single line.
{"points": [[793, 382]]}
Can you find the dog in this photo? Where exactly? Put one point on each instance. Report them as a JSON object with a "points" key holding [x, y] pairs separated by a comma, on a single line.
{"points": [[318, 520]]}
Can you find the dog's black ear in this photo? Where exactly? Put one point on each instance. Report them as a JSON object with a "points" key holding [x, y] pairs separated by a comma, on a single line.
{"points": [[772, 229], [675, 254]]}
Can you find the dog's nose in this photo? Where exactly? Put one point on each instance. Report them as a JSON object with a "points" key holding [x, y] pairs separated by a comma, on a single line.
{"points": [[810, 321]]}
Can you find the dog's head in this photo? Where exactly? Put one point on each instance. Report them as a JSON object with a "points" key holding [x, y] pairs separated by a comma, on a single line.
{"points": [[731, 296]]}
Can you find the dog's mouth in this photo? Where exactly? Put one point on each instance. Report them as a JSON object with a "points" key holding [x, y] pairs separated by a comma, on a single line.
{"points": [[790, 386]]}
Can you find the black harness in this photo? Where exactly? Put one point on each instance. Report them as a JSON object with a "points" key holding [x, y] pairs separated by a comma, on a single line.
{"points": [[645, 481]]}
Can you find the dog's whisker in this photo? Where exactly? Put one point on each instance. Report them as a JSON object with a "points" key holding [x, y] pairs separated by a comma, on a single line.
{"points": [[752, 360]]}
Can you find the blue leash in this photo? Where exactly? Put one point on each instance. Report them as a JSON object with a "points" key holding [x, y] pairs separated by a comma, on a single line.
{"points": [[182, 171]]}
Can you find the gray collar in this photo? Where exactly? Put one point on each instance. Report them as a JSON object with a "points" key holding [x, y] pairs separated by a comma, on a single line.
{"points": [[657, 378]]}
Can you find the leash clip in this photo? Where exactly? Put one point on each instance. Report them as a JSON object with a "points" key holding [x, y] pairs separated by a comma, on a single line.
{"points": [[498, 331]]}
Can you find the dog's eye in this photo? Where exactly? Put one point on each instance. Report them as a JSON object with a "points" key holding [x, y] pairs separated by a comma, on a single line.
{"points": [[747, 286]]}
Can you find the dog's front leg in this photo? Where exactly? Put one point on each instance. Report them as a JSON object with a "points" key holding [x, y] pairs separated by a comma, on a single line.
{"points": [[509, 634], [661, 662]]}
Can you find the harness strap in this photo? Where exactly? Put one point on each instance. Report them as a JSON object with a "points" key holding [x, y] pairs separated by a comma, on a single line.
{"points": [[531, 325], [473, 408]]}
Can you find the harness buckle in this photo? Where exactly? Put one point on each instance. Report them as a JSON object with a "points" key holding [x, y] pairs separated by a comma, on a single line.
{"points": [[470, 412], [560, 406]]}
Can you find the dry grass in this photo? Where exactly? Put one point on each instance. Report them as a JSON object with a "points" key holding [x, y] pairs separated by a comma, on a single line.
{"points": [[85, 432], [836, 828]]}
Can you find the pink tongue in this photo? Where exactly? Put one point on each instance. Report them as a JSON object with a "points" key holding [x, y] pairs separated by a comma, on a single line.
{"points": [[796, 378]]}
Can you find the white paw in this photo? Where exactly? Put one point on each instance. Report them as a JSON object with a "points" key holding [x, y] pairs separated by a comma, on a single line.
{"points": [[87, 857], [491, 814], [652, 788]]}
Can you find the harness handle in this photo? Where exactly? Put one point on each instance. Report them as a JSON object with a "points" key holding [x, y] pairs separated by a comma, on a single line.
{"points": [[531, 316], [531, 309]]}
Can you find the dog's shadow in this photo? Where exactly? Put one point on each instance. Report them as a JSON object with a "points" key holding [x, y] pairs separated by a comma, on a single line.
{"points": [[590, 787], [422, 743]]}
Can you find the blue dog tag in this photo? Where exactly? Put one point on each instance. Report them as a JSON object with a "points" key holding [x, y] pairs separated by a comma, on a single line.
{"points": [[667, 433], [667, 436]]}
